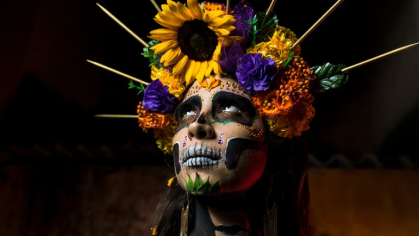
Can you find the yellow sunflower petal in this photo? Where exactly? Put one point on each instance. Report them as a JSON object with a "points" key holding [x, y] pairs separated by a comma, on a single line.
{"points": [[208, 70], [217, 52], [163, 31], [222, 21], [179, 67], [213, 14], [195, 9], [216, 67], [165, 24], [190, 67], [170, 19], [174, 57], [164, 46], [175, 11], [201, 72], [222, 32], [163, 58], [196, 69], [184, 11]]}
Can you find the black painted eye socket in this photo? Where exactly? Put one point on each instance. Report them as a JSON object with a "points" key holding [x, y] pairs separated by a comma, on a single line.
{"points": [[231, 107], [188, 111]]}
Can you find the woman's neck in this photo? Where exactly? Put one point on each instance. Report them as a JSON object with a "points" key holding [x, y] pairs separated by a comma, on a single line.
{"points": [[221, 216]]}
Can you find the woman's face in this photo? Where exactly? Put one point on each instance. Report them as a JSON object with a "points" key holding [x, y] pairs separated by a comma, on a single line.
{"points": [[220, 137]]}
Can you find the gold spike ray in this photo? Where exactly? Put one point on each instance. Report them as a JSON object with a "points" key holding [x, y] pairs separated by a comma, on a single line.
{"points": [[117, 116], [118, 72], [317, 23], [122, 25], [156, 5], [271, 6], [380, 57]]}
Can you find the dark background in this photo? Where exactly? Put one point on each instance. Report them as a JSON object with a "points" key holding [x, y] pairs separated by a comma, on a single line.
{"points": [[52, 149]]}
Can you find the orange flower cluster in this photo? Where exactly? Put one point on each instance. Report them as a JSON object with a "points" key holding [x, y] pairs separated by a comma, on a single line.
{"points": [[164, 137], [287, 106], [211, 6], [176, 87], [149, 120]]}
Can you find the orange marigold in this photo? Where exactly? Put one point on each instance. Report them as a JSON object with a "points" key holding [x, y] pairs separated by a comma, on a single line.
{"points": [[296, 121], [211, 6], [149, 120], [164, 137], [270, 104]]}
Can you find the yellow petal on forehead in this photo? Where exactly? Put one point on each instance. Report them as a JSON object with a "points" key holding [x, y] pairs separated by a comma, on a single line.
{"points": [[177, 70], [184, 11], [164, 46], [195, 9], [201, 72], [190, 66]]}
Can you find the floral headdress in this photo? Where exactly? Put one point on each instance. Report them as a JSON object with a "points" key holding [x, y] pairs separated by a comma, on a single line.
{"points": [[199, 41]]}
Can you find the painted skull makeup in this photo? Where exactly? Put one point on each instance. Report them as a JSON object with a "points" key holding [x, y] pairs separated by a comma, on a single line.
{"points": [[219, 137]]}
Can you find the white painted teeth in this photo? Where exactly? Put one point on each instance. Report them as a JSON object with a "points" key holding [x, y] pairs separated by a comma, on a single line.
{"points": [[199, 161]]}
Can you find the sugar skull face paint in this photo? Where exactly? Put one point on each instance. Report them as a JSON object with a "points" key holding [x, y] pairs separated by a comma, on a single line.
{"points": [[218, 124]]}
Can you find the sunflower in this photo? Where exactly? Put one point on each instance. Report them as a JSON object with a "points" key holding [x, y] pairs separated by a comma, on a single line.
{"points": [[192, 39]]}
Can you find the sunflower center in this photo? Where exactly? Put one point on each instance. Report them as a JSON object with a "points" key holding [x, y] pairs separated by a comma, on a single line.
{"points": [[197, 41]]}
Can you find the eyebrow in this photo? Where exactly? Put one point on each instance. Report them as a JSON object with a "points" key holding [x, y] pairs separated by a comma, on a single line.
{"points": [[194, 101]]}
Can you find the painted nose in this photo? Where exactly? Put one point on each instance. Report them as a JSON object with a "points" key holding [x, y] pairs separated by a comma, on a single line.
{"points": [[201, 128]]}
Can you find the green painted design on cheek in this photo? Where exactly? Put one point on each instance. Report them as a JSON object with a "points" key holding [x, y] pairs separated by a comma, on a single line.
{"points": [[223, 122]]}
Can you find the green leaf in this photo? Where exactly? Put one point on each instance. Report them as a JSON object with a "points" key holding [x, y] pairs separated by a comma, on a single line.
{"points": [[263, 27], [330, 76], [189, 184], [199, 187], [140, 88], [198, 181], [203, 188], [148, 53], [215, 187]]}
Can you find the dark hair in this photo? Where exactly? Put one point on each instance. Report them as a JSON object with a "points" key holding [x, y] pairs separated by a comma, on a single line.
{"points": [[284, 182]]}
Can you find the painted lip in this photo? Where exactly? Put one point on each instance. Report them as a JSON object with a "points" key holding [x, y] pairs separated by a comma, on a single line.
{"points": [[201, 153], [200, 162]]}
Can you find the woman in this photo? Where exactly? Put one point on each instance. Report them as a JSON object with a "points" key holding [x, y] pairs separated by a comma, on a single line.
{"points": [[221, 138]]}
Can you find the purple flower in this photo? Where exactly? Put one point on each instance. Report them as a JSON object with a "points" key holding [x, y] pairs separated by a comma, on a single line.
{"points": [[231, 56], [255, 73], [242, 12], [158, 99]]}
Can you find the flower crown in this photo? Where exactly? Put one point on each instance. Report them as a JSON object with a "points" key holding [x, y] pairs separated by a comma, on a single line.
{"points": [[201, 40]]}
